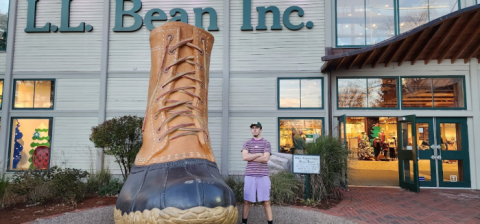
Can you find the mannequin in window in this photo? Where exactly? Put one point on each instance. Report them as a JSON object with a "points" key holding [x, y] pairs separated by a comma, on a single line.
{"points": [[377, 147], [392, 144]]}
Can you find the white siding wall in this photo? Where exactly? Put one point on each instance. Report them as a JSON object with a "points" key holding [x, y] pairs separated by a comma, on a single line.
{"points": [[240, 132], [130, 51], [247, 94], [77, 94], [3, 62], [59, 51], [71, 147], [278, 49], [131, 94], [215, 130]]}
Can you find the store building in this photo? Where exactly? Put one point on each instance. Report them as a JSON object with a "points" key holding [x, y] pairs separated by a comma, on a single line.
{"points": [[291, 65]]}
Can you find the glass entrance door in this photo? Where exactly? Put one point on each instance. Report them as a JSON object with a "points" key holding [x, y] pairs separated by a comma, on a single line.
{"points": [[427, 152], [407, 153], [342, 135], [453, 159]]}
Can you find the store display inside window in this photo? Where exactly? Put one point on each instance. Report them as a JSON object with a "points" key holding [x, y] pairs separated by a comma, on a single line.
{"points": [[296, 133], [34, 94]]}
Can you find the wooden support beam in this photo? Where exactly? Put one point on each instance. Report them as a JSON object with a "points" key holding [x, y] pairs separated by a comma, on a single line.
{"points": [[420, 36], [395, 52], [367, 58], [470, 55], [466, 43], [427, 41], [459, 34], [440, 43], [353, 62], [380, 57], [325, 67], [340, 63]]}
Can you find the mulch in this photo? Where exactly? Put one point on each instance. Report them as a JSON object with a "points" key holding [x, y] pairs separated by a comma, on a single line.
{"points": [[20, 213]]}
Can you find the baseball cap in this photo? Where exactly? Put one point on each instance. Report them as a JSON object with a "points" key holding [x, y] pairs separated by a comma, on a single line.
{"points": [[256, 124]]}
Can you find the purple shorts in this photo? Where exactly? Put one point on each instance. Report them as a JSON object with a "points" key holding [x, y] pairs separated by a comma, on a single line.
{"points": [[256, 186]]}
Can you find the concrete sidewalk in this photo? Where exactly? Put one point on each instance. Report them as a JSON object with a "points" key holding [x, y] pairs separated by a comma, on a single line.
{"points": [[282, 215]]}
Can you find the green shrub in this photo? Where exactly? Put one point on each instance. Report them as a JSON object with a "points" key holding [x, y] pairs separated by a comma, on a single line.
{"points": [[35, 185], [67, 185], [111, 189], [98, 180], [3, 186], [284, 188], [333, 166], [236, 184]]}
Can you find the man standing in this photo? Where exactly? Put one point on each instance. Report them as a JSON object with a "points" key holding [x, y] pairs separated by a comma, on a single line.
{"points": [[299, 143], [257, 183]]}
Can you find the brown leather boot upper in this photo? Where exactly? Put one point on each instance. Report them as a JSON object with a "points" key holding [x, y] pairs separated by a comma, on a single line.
{"points": [[176, 120]]}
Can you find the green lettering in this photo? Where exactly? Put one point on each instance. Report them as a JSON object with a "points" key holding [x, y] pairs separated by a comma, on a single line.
{"points": [[183, 15], [31, 16], [149, 17], [120, 13], [65, 19], [262, 11], [213, 18], [286, 17]]}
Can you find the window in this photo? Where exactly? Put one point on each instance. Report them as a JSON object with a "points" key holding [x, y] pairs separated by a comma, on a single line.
{"points": [[361, 22], [305, 93], [295, 132], [1, 93], [444, 92], [4, 6], [367, 93], [34, 94], [30, 143], [414, 13], [366, 22]]}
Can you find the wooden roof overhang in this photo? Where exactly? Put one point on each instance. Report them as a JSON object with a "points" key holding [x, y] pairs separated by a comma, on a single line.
{"points": [[453, 36]]}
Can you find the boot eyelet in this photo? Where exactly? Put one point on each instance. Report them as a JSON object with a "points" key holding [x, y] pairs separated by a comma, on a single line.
{"points": [[201, 68], [171, 52], [166, 70], [170, 37]]}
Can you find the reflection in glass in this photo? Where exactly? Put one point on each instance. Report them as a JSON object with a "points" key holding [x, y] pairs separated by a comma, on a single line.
{"points": [[440, 8], [1, 93], [424, 170], [417, 92], [4, 4], [423, 141], [380, 21], [413, 13], [382, 92], [311, 90], [350, 22], [352, 93], [408, 175], [29, 137], [451, 138], [452, 170], [289, 93], [407, 143], [448, 92], [34, 94], [306, 130]]}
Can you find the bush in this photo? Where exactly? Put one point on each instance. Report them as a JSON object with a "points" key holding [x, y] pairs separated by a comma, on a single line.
{"points": [[111, 189], [120, 137], [3, 186], [236, 184], [333, 166], [67, 185], [98, 180], [284, 188], [35, 185]]}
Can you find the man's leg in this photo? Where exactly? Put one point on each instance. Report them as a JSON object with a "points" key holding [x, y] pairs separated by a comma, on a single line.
{"points": [[249, 195], [263, 189], [246, 210], [268, 210]]}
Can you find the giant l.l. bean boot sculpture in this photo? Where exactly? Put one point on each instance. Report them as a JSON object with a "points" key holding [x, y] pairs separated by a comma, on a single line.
{"points": [[175, 178]]}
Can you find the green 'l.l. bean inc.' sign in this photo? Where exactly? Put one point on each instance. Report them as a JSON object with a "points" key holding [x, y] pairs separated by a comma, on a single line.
{"points": [[156, 14]]}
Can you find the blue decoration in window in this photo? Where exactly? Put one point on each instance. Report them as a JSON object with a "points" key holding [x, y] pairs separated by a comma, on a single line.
{"points": [[36, 135], [18, 148]]}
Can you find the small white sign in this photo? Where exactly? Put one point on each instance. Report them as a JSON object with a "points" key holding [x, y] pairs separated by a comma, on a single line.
{"points": [[306, 164], [453, 178], [420, 130], [409, 147]]}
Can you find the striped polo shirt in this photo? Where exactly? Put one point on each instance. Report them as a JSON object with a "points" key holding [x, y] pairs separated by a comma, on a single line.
{"points": [[257, 169]]}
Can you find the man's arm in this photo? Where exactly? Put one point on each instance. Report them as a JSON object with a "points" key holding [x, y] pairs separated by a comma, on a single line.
{"points": [[250, 157], [264, 158]]}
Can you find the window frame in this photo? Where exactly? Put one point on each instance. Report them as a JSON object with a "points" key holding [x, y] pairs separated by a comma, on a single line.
{"points": [[396, 19], [297, 118], [369, 108], [15, 89], [50, 134], [8, 18], [300, 96], [436, 108], [3, 90]]}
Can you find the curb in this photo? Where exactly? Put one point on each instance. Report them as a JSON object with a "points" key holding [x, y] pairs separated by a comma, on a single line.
{"points": [[57, 215]]}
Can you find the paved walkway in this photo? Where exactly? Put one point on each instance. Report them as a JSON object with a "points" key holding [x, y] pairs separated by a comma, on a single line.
{"points": [[394, 205]]}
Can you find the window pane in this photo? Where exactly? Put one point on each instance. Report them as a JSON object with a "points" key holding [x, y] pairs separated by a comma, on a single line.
{"points": [[295, 133], [451, 136], [413, 13], [350, 22], [380, 21], [3, 23], [29, 137], [417, 92], [352, 93], [43, 94], [448, 92], [440, 8], [382, 92], [311, 93], [452, 170], [1, 93], [24, 94], [289, 93]]}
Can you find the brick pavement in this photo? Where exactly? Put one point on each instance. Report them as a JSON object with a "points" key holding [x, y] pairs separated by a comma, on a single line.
{"points": [[396, 206]]}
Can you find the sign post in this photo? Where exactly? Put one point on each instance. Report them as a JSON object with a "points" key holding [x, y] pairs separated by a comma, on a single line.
{"points": [[306, 164]]}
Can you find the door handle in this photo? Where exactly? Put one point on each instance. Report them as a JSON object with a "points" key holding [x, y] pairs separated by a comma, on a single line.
{"points": [[433, 157], [439, 157]]}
